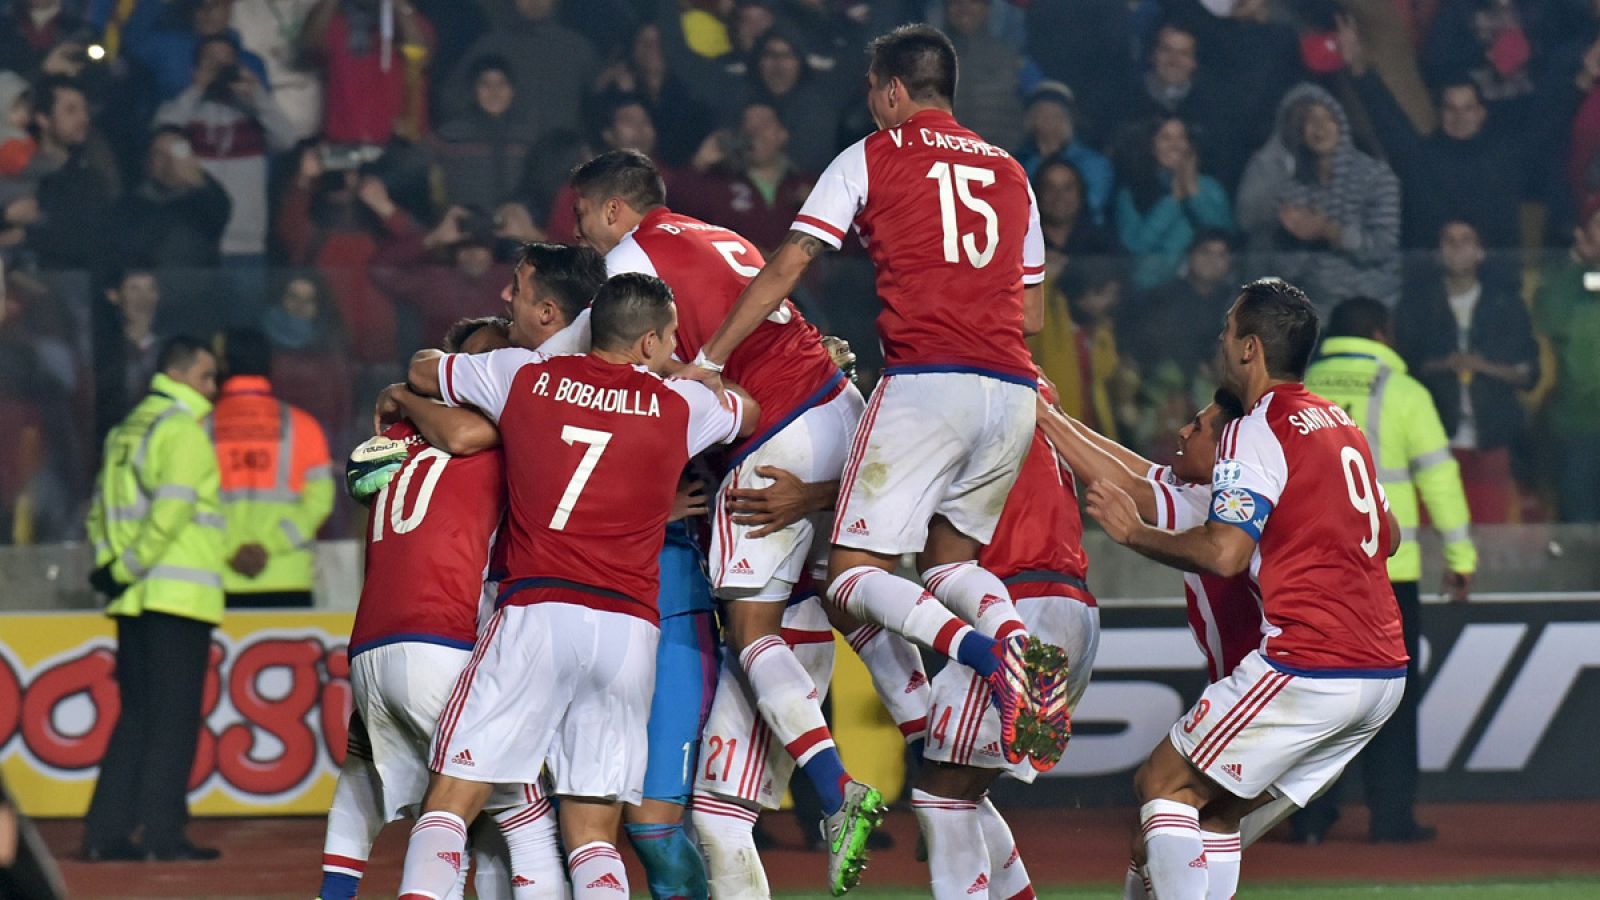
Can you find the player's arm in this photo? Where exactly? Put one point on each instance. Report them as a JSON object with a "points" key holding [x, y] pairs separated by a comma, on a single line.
{"points": [[455, 430], [1216, 548], [761, 298], [423, 374], [749, 411], [1033, 259], [1091, 462], [1032, 309], [780, 504]]}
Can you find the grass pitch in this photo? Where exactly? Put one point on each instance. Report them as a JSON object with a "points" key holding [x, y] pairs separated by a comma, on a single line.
{"points": [[1562, 889]]}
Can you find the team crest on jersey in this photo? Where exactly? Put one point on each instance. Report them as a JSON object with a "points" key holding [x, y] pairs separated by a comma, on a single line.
{"points": [[1236, 506], [1226, 474]]}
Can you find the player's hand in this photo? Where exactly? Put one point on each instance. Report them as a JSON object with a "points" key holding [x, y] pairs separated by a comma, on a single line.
{"points": [[774, 507], [1457, 586], [1114, 510], [690, 502], [249, 560], [388, 410], [710, 379]]}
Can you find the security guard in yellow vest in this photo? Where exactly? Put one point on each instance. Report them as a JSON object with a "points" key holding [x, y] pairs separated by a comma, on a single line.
{"points": [[156, 523], [277, 481], [1358, 369]]}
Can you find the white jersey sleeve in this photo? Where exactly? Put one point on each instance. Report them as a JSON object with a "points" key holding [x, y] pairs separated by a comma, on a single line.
{"points": [[1180, 507], [627, 256], [574, 338], [1250, 474], [482, 380], [709, 421], [1033, 244], [839, 196]]}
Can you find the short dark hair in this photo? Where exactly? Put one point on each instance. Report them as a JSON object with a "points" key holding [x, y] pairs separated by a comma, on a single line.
{"points": [[628, 307], [922, 57], [1057, 162], [1282, 317], [246, 351], [117, 276], [180, 352], [46, 89], [569, 275], [1229, 407], [1361, 317], [489, 62], [603, 112], [463, 330], [627, 174], [1450, 84], [201, 45], [1208, 234]]}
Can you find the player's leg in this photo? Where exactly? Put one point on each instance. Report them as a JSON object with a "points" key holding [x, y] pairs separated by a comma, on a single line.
{"points": [[533, 849], [895, 665], [726, 831], [438, 841], [354, 819], [589, 830], [945, 801], [950, 572], [1008, 877]]}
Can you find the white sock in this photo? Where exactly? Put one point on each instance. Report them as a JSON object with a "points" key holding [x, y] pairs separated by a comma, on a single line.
{"points": [[958, 859], [1008, 877], [1136, 884], [977, 596], [597, 871], [1175, 855], [895, 665], [534, 844], [726, 833], [1224, 853], [901, 606], [787, 697], [354, 818], [434, 856]]}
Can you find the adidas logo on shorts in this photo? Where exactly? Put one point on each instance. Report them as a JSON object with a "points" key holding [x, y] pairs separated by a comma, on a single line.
{"points": [[607, 880], [979, 886], [522, 881], [1012, 859], [454, 859], [1199, 862], [988, 601], [859, 526], [812, 695], [1234, 771], [464, 758], [917, 680], [742, 567], [991, 749]]}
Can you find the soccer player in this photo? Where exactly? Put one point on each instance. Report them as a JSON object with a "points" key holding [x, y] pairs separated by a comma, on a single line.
{"points": [[563, 674], [1295, 501], [809, 412], [429, 540], [950, 224]]}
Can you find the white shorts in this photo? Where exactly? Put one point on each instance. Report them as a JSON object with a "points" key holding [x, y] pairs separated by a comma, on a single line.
{"points": [[964, 726], [740, 759], [554, 684], [814, 448], [932, 444], [400, 690], [1260, 729]]}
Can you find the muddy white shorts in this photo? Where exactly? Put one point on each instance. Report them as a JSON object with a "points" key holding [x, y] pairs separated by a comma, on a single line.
{"points": [[1263, 729], [932, 444], [554, 684], [740, 759], [400, 690], [813, 447], [963, 725]]}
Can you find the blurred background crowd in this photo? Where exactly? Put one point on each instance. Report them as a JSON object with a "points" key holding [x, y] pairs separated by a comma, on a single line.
{"points": [[350, 176]]}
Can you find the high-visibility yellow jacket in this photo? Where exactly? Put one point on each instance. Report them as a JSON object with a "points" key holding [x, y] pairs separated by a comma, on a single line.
{"points": [[277, 483], [1369, 380], [156, 517]]}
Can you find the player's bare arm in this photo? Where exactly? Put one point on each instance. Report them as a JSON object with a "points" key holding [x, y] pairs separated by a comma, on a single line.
{"points": [[1032, 309], [423, 375], [456, 431], [780, 504], [1214, 548], [761, 298], [1090, 462]]}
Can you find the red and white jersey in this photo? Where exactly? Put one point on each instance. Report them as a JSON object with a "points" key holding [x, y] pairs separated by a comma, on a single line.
{"points": [[1296, 474], [1224, 612], [782, 363], [953, 228], [429, 537], [593, 454], [1038, 544]]}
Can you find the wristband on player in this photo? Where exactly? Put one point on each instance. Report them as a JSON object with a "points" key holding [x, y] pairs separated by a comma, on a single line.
{"points": [[704, 362]]}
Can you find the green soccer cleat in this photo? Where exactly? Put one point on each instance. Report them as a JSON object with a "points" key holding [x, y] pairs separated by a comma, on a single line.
{"points": [[845, 835]]}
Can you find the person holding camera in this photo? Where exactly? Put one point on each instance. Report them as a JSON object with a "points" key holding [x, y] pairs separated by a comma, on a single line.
{"points": [[232, 124]]}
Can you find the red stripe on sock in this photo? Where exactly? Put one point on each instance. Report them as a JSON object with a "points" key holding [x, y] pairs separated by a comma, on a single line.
{"points": [[947, 634], [343, 862], [1007, 629], [914, 727], [803, 744]]}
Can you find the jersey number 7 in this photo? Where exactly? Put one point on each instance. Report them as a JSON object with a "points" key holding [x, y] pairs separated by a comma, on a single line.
{"points": [[597, 441]]}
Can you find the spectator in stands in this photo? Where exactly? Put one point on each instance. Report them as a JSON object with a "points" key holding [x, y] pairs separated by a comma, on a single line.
{"points": [[781, 78], [625, 124], [164, 37], [232, 124], [644, 72], [374, 87], [1165, 200], [175, 217], [1087, 45], [1168, 326], [310, 362], [272, 31], [36, 31], [1459, 171], [73, 197], [1064, 219], [481, 153], [408, 265], [552, 66], [1331, 212], [127, 345], [1051, 123], [1077, 348], [989, 93], [1175, 85], [1491, 44], [1470, 342], [1583, 158], [1567, 312], [756, 191]]}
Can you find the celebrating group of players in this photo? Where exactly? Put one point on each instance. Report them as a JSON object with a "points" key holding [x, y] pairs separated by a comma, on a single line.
{"points": [[551, 467]]}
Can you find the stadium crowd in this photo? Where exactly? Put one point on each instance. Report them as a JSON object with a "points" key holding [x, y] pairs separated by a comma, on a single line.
{"points": [[350, 176]]}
